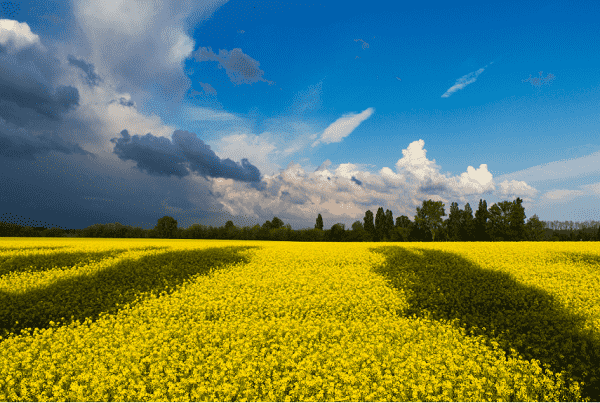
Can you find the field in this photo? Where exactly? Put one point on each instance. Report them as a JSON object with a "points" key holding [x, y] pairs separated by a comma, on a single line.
{"points": [[207, 320]]}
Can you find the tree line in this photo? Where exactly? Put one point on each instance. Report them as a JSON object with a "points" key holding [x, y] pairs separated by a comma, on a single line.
{"points": [[504, 221]]}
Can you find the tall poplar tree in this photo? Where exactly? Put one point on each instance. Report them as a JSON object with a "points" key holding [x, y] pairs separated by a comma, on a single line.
{"points": [[369, 226], [389, 224], [319, 224], [467, 228], [379, 225], [517, 231], [481, 216], [453, 225]]}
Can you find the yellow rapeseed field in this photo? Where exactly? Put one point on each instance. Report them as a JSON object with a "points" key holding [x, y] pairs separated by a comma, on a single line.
{"points": [[209, 320]]}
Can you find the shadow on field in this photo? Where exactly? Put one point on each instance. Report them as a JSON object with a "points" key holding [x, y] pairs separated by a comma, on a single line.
{"points": [[33, 262], [87, 296], [444, 285]]}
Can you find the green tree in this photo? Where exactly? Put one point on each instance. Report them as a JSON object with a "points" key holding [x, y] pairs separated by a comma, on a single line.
{"points": [[358, 232], [454, 223], [54, 232], [467, 227], [429, 216], [598, 234], [276, 223], [28, 231], [498, 222], [379, 225], [319, 224], [481, 217], [336, 233], [403, 228], [389, 225], [517, 231], [166, 227], [535, 229], [369, 226]]}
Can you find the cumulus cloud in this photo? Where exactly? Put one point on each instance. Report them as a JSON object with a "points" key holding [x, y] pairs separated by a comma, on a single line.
{"points": [[464, 81], [142, 43], [185, 153], [16, 36], [343, 126], [30, 89], [344, 194]]}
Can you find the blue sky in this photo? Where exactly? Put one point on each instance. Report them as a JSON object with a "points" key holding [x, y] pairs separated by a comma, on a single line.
{"points": [[215, 110]]}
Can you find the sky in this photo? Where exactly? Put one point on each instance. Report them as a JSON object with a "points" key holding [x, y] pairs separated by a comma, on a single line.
{"points": [[217, 110]]}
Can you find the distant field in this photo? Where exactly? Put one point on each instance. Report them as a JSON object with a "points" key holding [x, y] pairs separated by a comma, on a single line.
{"points": [[208, 320]]}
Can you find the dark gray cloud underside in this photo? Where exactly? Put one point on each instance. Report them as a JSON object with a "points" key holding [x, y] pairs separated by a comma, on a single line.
{"points": [[26, 146], [185, 153], [92, 78], [27, 87]]}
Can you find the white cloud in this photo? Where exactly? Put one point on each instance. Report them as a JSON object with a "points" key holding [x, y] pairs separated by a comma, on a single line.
{"points": [[415, 162], [464, 81], [194, 113], [181, 45], [343, 126], [297, 197], [558, 170], [562, 195], [514, 188], [477, 180], [16, 35], [141, 43], [257, 149]]}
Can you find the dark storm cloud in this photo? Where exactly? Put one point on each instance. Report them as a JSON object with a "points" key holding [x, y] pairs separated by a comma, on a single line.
{"points": [[20, 144], [240, 67], [92, 78], [353, 179], [186, 152], [123, 101], [28, 90]]}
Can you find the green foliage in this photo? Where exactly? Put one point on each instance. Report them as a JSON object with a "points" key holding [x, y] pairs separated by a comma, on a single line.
{"points": [[319, 224], [368, 225], [429, 217], [276, 223], [454, 223], [535, 229], [389, 225], [337, 232], [481, 216], [166, 227], [467, 227], [379, 225]]}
